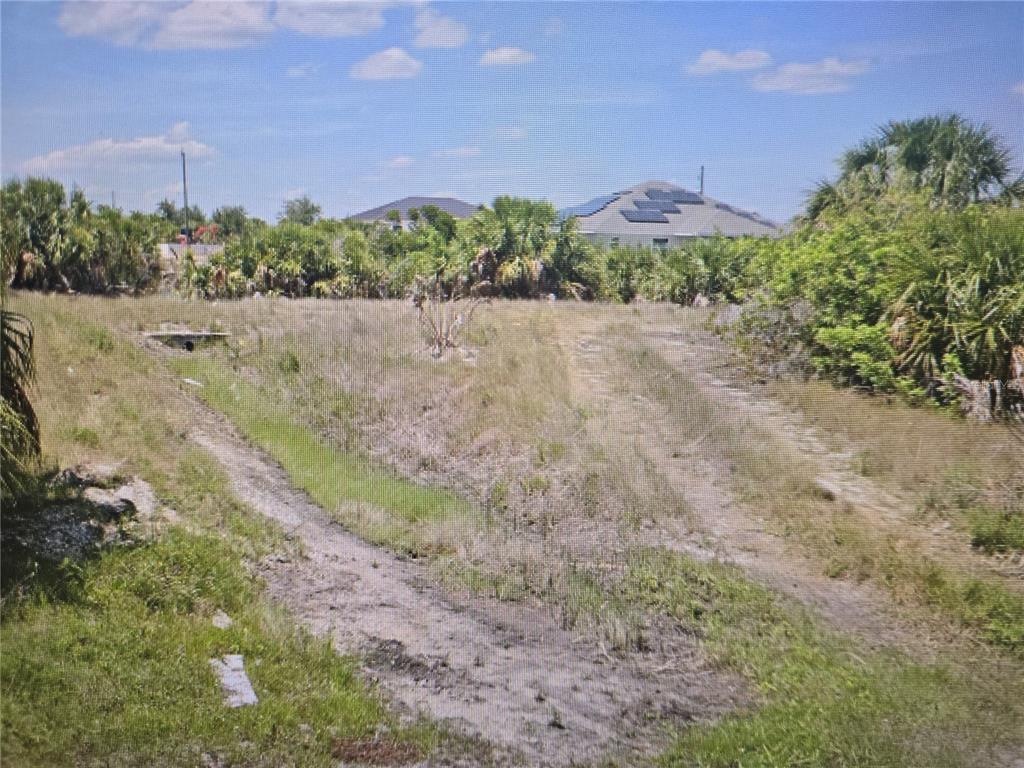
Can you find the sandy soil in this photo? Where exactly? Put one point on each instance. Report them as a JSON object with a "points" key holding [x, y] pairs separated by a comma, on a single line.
{"points": [[510, 673], [505, 672], [719, 526]]}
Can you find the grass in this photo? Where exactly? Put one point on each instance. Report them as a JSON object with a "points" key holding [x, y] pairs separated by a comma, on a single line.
{"points": [[995, 530], [825, 700], [930, 455], [773, 478], [119, 674], [335, 479], [994, 516], [319, 409], [109, 665]]}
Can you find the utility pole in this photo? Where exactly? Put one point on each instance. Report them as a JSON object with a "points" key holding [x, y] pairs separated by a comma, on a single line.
{"points": [[702, 181], [184, 188]]}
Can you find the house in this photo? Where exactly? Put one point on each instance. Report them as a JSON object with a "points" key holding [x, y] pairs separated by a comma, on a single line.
{"points": [[457, 208], [660, 214]]}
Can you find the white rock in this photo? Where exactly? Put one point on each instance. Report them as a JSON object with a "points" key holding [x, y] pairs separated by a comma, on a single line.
{"points": [[238, 690]]}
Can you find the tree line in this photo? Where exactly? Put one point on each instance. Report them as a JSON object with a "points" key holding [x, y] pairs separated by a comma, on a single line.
{"points": [[904, 274]]}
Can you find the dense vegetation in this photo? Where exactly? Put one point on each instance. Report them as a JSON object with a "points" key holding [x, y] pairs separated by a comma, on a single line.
{"points": [[55, 241], [897, 296], [903, 275], [907, 273]]}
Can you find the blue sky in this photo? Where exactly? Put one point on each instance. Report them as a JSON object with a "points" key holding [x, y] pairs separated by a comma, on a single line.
{"points": [[356, 105]]}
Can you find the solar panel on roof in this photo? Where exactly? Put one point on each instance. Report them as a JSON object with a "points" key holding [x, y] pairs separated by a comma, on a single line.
{"points": [[659, 194], [689, 198], [645, 217], [588, 208], [724, 207], [665, 206]]}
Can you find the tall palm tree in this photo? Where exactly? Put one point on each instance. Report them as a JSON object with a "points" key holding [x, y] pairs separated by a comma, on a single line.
{"points": [[955, 161]]}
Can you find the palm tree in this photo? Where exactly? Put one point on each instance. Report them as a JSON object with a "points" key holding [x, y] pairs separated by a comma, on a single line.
{"points": [[955, 161], [19, 428]]}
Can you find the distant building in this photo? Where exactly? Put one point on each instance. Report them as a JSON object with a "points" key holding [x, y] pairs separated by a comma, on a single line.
{"points": [[659, 214], [457, 208]]}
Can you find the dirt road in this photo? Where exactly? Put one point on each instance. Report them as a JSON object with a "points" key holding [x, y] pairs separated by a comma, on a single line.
{"points": [[505, 672], [720, 525], [510, 673]]}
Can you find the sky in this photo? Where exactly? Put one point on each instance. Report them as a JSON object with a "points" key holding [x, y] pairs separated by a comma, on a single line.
{"points": [[356, 105]]}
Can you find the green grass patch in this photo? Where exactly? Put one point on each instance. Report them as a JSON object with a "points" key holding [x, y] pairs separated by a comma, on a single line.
{"points": [[335, 479], [119, 673], [825, 701], [107, 662], [90, 438], [995, 530]]}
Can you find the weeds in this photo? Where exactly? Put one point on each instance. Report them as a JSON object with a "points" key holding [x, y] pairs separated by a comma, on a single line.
{"points": [[826, 701], [337, 481], [776, 479], [113, 668]]}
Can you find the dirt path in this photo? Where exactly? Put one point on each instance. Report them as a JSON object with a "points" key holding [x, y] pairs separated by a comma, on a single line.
{"points": [[718, 525], [505, 672], [834, 470]]}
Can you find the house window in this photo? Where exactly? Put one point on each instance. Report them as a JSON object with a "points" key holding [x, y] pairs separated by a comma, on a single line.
{"points": [[661, 242]]}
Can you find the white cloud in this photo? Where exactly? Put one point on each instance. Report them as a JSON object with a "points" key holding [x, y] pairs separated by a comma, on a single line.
{"points": [[712, 60], [106, 153], [401, 161], [302, 70], [1019, 88], [121, 23], [196, 24], [214, 25], [467, 151], [506, 55], [390, 64], [339, 19], [554, 27], [511, 133], [437, 31], [826, 76]]}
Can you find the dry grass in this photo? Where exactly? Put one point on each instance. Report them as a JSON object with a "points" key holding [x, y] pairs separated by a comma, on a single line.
{"points": [[561, 502], [774, 479], [916, 450], [110, 666]]}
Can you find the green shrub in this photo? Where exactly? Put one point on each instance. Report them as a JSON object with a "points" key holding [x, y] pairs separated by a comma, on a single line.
{"points": [[85, 436], [997, 530], [896, 296]]}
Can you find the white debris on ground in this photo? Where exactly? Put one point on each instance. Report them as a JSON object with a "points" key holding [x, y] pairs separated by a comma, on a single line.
{"points": [[238, 690], [221, 620], [193, 382]]}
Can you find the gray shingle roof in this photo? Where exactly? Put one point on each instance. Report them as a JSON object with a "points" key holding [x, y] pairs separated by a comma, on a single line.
{"points": [[457, 208], [694, 219]]}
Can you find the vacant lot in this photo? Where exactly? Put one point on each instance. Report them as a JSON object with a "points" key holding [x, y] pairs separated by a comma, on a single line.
{"points": [[586, 535]]}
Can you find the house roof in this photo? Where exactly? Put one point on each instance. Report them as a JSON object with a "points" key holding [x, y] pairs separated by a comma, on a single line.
{"points": [[457, 208], [660, 209]]}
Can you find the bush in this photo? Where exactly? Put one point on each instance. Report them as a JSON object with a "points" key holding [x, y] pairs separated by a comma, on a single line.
{"points": [[54, 241], [898, 297]]}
